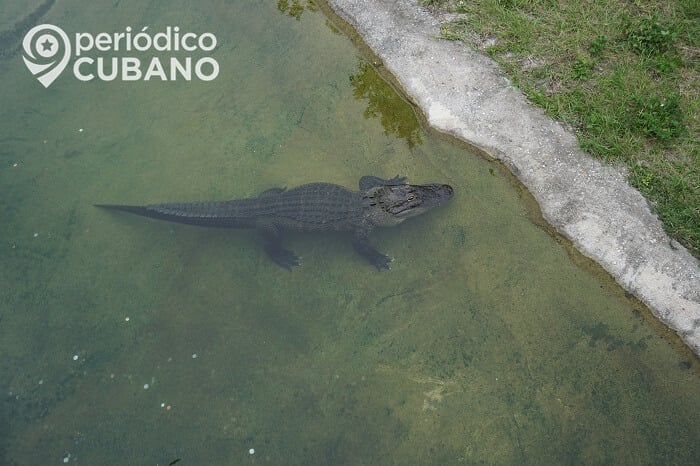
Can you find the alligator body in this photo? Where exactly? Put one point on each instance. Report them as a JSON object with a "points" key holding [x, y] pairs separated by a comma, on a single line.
{"points": [[314, 207]]}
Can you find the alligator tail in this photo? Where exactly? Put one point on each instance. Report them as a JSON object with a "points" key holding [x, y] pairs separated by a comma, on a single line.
{"points": [[200, 214]]}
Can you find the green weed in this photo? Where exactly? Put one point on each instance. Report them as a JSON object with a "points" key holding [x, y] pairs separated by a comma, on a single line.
{"points": [[658, 117], [649, 37], [582, 67], [598, 45]]}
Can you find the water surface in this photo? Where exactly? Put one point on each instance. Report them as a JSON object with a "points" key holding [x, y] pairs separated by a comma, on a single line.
{"points": [[131, 341]]}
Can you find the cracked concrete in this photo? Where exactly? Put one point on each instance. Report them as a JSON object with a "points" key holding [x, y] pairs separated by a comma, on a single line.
{"points": [[464, 94]]}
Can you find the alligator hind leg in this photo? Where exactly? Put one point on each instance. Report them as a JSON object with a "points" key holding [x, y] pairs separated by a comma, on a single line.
{"points": [[281, 256], [366, 250], [367, 182], [273, 247]]}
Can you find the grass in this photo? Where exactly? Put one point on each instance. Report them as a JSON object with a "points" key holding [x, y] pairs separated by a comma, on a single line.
{"points": [[624, 75]]}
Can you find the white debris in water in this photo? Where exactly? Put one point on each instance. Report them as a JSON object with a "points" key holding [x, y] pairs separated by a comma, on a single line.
{"points": [[251, 451], [75, 357], [36, 234], [80, 130], [162, 405], [194, 355], [15, 165], [146, 386], [126, 319], [66, 458]]}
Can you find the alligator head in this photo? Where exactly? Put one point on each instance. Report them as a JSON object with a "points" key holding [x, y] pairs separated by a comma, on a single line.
{"points": [[391, 205]]}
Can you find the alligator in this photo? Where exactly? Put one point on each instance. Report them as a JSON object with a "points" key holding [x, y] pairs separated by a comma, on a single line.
{"points": [[313, 207]]}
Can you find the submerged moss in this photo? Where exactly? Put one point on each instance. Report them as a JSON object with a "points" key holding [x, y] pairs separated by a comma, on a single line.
{"points": [[395, 114]]}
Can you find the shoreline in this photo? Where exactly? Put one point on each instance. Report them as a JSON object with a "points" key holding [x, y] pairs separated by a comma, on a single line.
{"points": [[464, 94]]}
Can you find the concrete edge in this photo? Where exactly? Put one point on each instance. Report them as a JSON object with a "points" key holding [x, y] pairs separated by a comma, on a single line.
{"points": [[464, 94]]}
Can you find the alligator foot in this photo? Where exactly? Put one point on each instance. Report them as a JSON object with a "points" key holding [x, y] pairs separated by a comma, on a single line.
{"points": [[281, 256], [376, 258]]}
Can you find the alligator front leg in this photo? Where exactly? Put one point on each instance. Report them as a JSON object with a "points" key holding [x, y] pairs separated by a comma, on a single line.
{"points": [[273, 247], [367, 182], [376, 258]]}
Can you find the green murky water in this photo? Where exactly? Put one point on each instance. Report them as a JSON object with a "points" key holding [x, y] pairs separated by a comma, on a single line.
{"points": [[130, 341]]}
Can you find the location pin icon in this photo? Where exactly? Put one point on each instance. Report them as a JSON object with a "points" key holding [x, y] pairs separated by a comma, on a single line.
{"points": [[46, 52]]}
